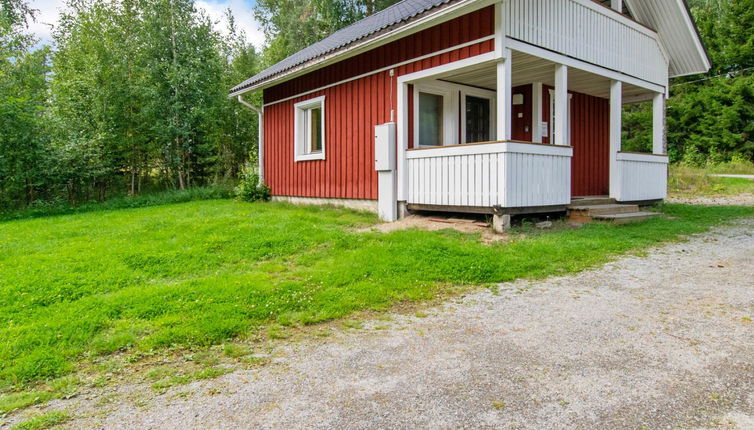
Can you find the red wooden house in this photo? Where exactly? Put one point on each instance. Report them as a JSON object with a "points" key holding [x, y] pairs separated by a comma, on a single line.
{"points": [[495, 106]]}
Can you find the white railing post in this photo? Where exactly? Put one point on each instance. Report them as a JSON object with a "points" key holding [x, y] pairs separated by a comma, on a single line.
{"points": [[616, 112], [504, 65], [658, 124], [536, 112], [504, 94], [561, 106], [617, 5]]}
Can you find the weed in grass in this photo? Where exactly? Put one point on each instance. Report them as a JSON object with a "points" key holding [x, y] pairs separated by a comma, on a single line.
{"points": [[421, 314], [498, 404], [254, 361], [44, 421], [233, 350], [174, 378], [205, 358], [353, 324], [277, 332]]}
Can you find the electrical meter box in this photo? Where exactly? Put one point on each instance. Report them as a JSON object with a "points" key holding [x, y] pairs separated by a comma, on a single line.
{"points": [[384, 147]]}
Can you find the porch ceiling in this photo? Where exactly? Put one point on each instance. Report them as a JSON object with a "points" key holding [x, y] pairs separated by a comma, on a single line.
{"points": [[528, 68]]}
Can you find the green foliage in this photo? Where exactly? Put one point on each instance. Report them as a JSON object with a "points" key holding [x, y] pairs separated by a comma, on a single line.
{"points": [[292, 25], [250, 188], [712, 121], [42, 208], [201, 273], [710, 118], [136, 101]]}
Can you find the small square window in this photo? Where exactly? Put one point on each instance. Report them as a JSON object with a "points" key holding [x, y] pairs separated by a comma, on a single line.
{"points": [[310, 129]]}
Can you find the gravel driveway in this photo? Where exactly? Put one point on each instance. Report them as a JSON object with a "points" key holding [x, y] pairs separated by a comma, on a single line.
{"points": [[664, 340]]}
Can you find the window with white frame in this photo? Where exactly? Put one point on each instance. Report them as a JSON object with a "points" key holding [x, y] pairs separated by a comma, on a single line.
{"points": [[434, 115], [477, 115], [446, 111], [310, 129], [552, 118]]}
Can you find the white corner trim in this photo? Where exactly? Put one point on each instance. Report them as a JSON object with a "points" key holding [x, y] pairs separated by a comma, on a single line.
{"points": [[299, 139]]}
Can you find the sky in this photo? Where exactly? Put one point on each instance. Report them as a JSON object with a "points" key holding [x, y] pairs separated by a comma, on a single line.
{"points": [[49, 10]]}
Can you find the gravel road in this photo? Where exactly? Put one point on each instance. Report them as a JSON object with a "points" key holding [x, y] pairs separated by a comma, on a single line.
{"points": [[663, 340]]}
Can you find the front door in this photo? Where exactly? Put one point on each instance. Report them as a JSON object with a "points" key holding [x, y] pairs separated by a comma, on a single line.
{"points": [[521, 113], [589, 136]]}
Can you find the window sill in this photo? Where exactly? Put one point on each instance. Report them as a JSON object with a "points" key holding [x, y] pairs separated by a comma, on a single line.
{"points": [[310, 157]]}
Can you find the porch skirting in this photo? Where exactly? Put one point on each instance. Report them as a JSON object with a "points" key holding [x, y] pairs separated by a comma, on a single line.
{"points": [[357, 204]]}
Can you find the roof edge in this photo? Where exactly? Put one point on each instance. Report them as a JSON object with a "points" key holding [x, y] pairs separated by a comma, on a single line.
{"points": [[416, 24]]}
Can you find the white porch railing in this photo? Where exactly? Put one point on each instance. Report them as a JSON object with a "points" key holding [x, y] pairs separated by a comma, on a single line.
{"points": [[642, 177], [590, 32], [506, 174]]}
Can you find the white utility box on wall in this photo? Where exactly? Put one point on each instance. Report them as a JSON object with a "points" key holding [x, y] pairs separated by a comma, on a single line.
{"points": [[384, 147], [384, 164]]}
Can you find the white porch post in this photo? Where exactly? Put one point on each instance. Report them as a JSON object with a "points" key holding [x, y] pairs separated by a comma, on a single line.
{"points": [[503, 120], [658, 124], [616, 112], [561, 105], [536, 112], [402, 146], [617, 5], [504, 67]]}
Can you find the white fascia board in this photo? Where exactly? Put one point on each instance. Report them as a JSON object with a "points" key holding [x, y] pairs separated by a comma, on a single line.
{"points": [[555, 57]]}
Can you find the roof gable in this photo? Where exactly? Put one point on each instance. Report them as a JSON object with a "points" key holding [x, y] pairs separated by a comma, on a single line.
{"points": [[670, 18], [396, 14]]}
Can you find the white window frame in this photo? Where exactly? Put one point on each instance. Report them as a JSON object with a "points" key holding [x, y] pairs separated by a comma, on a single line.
{"points": [[551, 126], [302, 117], [482, 94], [449, 111]]}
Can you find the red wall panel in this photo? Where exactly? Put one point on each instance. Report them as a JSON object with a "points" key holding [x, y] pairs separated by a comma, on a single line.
{"points": [[353, 109]]}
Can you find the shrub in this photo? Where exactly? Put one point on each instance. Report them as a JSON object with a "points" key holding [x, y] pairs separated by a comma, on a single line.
{"points": [[250, 188]]}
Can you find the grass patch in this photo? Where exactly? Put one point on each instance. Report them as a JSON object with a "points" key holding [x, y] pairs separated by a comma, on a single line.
{"points": [[164, 377], [696, 181], [44, 421], [62, 387], [79, 288]]}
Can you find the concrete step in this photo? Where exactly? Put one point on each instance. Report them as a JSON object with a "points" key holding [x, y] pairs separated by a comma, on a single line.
{"points": [[605, 209], [592, 201], [624, 218]]}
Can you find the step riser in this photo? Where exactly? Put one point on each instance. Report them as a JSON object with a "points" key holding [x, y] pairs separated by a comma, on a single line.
{"points": [[592, 202], [610, 211]]}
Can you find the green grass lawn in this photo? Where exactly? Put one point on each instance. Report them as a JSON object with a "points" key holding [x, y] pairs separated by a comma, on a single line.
{"points": [[688, 181], [189, 275]]}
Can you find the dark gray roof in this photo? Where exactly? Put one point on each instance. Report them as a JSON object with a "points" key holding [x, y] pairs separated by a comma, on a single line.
{"points": [[395, 14]]}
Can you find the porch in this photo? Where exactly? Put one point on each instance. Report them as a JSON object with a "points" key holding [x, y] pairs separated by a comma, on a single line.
{"points": [[526, 129]]}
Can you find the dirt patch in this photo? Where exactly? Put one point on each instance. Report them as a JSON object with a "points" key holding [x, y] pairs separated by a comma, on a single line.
{"points": [[438, 222]]}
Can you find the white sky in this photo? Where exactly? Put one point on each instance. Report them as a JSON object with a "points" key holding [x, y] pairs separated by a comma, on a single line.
{"points": [[49, 10]]}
